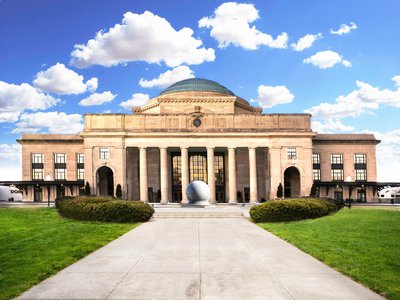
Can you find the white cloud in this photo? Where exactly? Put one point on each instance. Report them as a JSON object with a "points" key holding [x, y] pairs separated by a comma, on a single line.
{"points": [[396, 79], [16, 98], [168, 78], [230, 24], [345, 29], [388, 155], [97, 99], [137, 99], [269, 96], [330, 126], [51, 122], [60, 80], [142, 37], [326, 59], [305, 42], [364, 99], [10, 162]]}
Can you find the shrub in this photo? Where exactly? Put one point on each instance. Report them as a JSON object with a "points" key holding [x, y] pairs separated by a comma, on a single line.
{"points": [[291, 210], [104, 209]]}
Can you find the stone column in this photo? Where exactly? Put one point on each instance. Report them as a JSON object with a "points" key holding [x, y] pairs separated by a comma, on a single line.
{"points": [[144, 196], [185, 172], [164, 175], [253, 175], [211, 173], [232, 175]]}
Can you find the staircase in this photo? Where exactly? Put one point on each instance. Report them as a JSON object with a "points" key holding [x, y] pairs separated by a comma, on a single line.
{"points": [[187, 212]]}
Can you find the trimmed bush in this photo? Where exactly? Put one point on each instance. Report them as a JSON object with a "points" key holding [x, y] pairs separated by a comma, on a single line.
{"points": [[291, 210], [104, 209]]}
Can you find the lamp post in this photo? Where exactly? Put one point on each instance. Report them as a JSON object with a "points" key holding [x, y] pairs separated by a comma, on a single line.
{"points": [[48, 178]]}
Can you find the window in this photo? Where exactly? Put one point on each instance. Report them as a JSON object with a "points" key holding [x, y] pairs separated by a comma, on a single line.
{"points": [[37, 166], [361, 174], [37, 158], [337, 174], [60, 174], [315, 158], [37, 174], [59, 158], [337, 159], [104, 153], [291, 153], [360, 158], [80, 158], [219, 169], [317, 174], [176, 170], [80, 166], [198, 168], [60, 167]]}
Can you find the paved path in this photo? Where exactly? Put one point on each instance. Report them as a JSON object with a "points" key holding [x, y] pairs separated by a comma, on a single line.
{"points": [[199, 259]]}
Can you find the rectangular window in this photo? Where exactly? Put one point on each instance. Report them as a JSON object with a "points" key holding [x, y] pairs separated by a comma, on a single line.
{"points": [[291, 153], [37, 166], [81, 174], [104, 153], [37, 158], [317, 174], [360, 158], [37, 174], [337, 174], [80, 158], [336, 158], [60, 174], [315, 158], [361, 174], [60, 166]]}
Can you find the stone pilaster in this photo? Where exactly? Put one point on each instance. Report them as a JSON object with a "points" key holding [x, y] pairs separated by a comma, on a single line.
{"points": [[185, 172], [164, 175], [232, 175], [211, 173], [144, 196], [253, 175]]}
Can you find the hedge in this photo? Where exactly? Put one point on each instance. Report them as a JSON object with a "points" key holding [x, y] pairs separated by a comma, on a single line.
{"points": [[291, 210], [104, 209]]}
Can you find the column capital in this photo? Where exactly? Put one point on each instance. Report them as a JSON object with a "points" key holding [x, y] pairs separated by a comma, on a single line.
{"points": [[210, 147], [184, 147]]}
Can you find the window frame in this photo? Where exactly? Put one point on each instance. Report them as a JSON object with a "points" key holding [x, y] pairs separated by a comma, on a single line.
{"points": [[291, 153], [104, 153]]}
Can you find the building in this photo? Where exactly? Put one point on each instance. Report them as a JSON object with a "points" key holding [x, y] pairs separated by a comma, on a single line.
{"points": [[197, 129]]}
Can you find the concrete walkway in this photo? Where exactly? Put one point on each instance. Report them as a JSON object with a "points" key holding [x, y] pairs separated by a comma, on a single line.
{"points": [[199, 259]]}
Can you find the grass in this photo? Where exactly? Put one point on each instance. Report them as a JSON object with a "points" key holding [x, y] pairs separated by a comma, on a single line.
{"points": [[36, 243], [361, 243]]}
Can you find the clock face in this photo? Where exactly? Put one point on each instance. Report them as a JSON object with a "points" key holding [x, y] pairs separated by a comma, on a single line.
{"points": [[196, 122]]}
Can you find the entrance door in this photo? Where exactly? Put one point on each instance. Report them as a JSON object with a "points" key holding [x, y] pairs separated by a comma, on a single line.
{"points": [[292, 182], [37, 194], [105, 181]]}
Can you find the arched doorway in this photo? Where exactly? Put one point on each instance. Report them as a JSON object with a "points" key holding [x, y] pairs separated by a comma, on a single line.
{"points": [[105, 181], [292, 182]]}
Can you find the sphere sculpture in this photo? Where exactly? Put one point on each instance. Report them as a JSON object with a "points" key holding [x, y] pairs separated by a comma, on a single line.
{"points": [[198, 192]]}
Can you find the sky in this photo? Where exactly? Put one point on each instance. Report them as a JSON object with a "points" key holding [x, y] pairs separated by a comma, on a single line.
{"points": [[338, 60]]}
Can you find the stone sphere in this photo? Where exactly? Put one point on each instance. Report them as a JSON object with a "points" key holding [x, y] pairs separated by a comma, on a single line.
{"points": [[198, 192]]}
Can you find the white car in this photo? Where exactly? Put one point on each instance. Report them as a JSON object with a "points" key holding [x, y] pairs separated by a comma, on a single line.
{"points": [[10, 193]]}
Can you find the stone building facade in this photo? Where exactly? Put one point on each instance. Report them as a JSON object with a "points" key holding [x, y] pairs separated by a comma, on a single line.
{"points": [[198, 130]]}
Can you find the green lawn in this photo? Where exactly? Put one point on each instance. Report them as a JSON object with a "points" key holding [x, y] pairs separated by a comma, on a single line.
{"points": [[361, 243], [36, 243]]}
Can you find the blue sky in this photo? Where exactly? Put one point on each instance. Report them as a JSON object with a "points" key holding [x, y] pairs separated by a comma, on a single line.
{"points": [[335, 59]]}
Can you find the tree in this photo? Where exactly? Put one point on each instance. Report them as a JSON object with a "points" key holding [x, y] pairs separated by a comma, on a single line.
{"points": [[87, 188], [279, 192], [118, 191]]}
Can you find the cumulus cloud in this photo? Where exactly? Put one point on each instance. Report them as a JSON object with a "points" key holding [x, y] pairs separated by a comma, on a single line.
{"points": [[396, 79], [142, 37], [269, 96], [167, 78], [230, 24], [305, 42], [60, 80], [344, 29], [137, 99], [51, 122], [326, 59], [97, 99], [330, 126], [16, 98], [10, 162]]}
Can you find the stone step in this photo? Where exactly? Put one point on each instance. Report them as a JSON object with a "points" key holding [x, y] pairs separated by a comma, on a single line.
{"points": [[202, 214]]}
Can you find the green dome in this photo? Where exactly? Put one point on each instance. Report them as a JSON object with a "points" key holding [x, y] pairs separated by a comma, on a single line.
{"points": [[195, 85]]}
